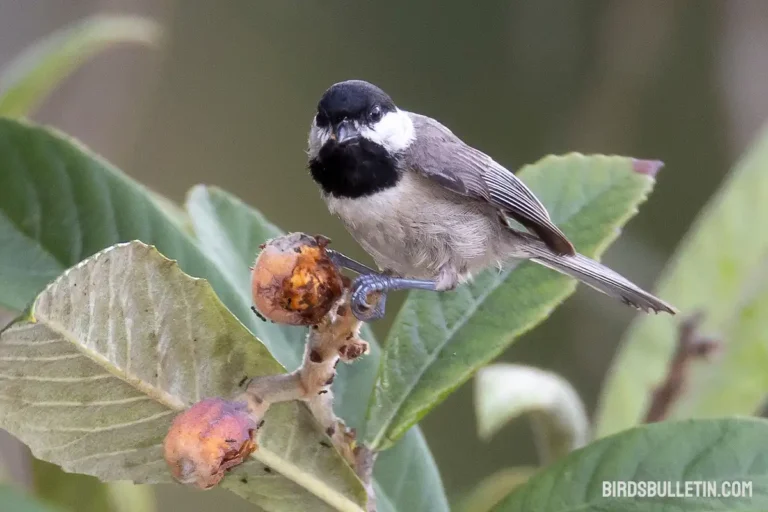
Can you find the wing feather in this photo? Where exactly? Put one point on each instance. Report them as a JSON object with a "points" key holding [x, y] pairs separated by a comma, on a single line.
{"points": [[443, 157]]}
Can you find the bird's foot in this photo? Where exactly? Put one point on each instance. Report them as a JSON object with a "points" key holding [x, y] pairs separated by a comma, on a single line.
{"points": [[369, 281], [380, 283]]}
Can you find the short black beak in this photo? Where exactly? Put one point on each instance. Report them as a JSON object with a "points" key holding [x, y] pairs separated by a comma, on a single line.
{"points": [[345, 131]]}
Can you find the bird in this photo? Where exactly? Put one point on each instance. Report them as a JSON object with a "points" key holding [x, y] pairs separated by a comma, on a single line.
{"points": [[431, 210]]}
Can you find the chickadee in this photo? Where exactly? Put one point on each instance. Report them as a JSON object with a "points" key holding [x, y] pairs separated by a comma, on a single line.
{"points": [[430, 209]]}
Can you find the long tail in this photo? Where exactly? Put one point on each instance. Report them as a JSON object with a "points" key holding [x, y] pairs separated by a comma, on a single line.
{"points": [[599, 277]]}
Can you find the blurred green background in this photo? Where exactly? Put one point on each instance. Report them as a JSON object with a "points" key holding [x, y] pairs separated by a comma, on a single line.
{"points": [[228, 99]]}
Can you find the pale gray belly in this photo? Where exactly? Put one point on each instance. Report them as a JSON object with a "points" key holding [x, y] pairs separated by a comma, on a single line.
{"points": [[419, 228]]}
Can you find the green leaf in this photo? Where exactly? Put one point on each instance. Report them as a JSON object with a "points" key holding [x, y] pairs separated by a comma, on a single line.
{"points": [[492, 489], [440, 339], [719, 271], [172, 210], [506, 391], [715, 451], [40, 68], [14, 500], [230, 232], [60, 204], [407, 478], [116, 346]]}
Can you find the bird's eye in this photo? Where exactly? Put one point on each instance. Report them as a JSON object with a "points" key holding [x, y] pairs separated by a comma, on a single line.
{"points": [[375, 114], [321, 120]]}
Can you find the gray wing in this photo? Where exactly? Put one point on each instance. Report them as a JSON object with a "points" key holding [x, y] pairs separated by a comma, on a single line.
{"points": [[443, 157]]}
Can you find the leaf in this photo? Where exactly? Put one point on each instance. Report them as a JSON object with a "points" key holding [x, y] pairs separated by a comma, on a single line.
{"points": [[116, 346], [172, 211], [506, 391], [40, 68], [492, 489], [59, 204], [715, 451], [440, 339], [407, 478], [230, 232], [230, 235], [14, 500], [718, 270]]}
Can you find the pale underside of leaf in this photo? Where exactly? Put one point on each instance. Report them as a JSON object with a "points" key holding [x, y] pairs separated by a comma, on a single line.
{"points": [[27, 80], [440, 339], [506, 391], [118, 345], [714, 451], [717, 270]]}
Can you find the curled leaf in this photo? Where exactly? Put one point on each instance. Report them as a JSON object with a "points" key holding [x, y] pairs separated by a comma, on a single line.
{"points": [[38, 70], [505, 391]]}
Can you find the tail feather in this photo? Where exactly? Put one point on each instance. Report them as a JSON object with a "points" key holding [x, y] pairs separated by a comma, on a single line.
{"points": [[602, 279]]}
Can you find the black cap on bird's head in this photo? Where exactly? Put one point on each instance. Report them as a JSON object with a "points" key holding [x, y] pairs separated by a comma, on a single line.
{"points": [[347, 105]]}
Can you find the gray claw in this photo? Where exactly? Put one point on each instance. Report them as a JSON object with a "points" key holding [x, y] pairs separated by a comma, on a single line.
{"points": [[369, 283], [361, 287]]}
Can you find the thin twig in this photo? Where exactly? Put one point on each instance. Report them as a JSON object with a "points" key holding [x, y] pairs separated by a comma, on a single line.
{"points": [[690, 346]]}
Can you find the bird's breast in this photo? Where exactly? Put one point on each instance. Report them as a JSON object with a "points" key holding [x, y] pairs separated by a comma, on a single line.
{"points": [[418, 227]]}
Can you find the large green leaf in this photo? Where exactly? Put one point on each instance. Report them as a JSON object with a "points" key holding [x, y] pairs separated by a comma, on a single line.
{"points": [[440, 339], [38, 70], [711, 452], [13, 500], [118, 344], [60, 204], [505, 391], [719, 271], [230, 232]]}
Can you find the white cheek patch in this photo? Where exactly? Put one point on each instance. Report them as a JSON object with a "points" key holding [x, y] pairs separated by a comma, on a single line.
{"points": [[317, 139], [394, 131]]}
